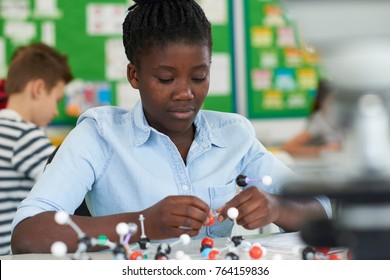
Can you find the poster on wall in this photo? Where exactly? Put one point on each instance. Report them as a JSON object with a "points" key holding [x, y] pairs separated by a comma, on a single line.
{"points": [[282, 75]]}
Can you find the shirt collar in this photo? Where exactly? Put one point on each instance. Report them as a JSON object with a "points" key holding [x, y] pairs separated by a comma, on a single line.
{"points": [[10, 114], [141, 127], [204, 135]]}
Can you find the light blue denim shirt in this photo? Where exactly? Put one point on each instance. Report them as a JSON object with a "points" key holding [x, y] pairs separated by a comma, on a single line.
{"points": [[121, 164]]}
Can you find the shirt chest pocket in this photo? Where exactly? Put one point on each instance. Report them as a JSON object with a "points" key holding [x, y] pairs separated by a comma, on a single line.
{"points": [[219, 195]]}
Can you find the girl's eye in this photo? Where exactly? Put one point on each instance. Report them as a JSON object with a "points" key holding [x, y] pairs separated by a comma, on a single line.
{"points": [[165, 81], [199, 79]]}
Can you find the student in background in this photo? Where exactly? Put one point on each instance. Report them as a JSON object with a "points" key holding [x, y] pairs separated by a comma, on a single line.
{"points": [[320, 136], [166, 158], [35, 84]]}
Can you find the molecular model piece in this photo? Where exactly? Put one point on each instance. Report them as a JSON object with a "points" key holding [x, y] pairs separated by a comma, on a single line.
{"points": [[237, 245], [143, 241], [210, 219], [243, 180], [120, 249], [164, 249], [320, 253], [59, 249], [236, 239]]}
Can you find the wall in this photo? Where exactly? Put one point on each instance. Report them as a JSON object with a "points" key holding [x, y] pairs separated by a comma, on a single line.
{"points": [[69, 26]]}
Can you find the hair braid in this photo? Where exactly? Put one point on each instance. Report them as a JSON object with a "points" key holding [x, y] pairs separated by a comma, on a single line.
{"points": [[151, 23]]}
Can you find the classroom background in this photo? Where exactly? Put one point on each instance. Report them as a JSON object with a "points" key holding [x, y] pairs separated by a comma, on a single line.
{"points": [[261, 67]]}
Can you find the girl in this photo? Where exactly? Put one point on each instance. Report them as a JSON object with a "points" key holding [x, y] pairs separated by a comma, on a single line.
{"points": [[165, 159]]}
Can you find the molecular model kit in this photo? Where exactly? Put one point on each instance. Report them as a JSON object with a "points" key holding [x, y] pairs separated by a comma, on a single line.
{"points": [[144, 249], [235, 247]]}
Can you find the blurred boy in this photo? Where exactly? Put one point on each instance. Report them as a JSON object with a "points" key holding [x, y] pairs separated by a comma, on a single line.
{"points": [[35, 84]]}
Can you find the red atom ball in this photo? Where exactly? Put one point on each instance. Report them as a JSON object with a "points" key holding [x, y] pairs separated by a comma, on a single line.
{"points": [[334, 257], [136, 255], [213, 254], [323, 250], [256, 252], [210, 222], [207, 241]]}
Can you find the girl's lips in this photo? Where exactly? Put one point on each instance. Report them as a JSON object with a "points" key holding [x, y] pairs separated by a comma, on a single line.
{"points": [[182, 115]]}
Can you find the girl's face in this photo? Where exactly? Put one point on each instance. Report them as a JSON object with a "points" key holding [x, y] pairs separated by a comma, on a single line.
{"points": [[173, 83]]}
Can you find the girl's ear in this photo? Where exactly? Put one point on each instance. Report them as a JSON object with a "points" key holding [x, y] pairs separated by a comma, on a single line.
{"points": [[132, 75], [37, 88]]}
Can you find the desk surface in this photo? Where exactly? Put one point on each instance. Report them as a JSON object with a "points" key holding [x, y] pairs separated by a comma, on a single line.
{"points": [[277, 246]]}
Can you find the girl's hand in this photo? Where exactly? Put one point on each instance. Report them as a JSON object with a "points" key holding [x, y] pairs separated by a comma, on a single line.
{"points": [[256, 208], [175, 215]]}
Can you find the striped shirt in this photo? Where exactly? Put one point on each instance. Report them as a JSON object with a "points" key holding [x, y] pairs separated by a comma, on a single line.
{"points": [[24, 150]]}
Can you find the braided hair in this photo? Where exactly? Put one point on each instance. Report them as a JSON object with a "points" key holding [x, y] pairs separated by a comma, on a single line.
{"points": [[158, 23]]}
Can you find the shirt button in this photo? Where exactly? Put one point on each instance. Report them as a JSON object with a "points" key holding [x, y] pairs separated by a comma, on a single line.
{"points": [[185, 187]]}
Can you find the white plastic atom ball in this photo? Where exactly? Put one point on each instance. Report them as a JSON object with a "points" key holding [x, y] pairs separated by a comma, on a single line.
{"points": [[266, 180], [122, 228], [246, 245], [185, 239], [179, 255], [133, 228], [59, 249], [61, 217], [232, 213], [277, 257]]}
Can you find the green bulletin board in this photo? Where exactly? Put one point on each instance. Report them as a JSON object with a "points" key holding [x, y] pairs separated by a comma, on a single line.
{"points": [[90, 33], [69, 27], [98, 73], [221, 94], [282, 75]]}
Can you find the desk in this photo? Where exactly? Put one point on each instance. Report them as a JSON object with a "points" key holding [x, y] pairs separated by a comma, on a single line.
{"points": [[285, 246]]}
